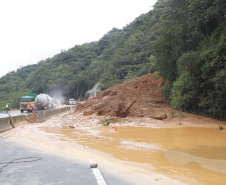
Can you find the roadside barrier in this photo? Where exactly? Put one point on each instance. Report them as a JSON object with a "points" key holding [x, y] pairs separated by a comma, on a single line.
{"points": [[46, 114], [41, 116], [5, 122]]}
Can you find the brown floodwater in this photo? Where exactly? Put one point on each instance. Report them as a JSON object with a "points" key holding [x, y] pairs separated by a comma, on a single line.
{"points": [[194, 153]]}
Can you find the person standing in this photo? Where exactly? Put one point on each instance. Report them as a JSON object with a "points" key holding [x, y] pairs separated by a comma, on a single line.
{"points": [[7, 107], [28, 108]]}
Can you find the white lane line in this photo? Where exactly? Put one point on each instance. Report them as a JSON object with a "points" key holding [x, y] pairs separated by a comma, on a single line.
{"points": [[99, 177]]}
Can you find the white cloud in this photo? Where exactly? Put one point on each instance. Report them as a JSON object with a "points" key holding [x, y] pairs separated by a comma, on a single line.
{"points": [[33, 30]]}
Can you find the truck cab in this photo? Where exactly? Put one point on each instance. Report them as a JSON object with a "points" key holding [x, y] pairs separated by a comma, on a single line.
{"points": [[24, 100]]}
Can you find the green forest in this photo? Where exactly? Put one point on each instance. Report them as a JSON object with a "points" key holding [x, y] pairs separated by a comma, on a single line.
{"points": [[183, 40]]}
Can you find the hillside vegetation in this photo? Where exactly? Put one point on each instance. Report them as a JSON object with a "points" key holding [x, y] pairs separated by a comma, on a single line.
{"points": [[184, 40]]}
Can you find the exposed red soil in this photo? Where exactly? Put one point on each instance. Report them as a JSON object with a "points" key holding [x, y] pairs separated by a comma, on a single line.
{"points": [[139, 97]]}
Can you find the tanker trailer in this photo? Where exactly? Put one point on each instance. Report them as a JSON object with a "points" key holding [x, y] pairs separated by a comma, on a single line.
{"points": [[43, 101]]}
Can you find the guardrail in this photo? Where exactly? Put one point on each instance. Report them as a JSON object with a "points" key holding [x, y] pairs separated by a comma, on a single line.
{"points": [[46, 114]]}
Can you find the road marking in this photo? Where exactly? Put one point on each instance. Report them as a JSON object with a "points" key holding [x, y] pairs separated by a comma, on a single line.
{"points": [[99, 177]]}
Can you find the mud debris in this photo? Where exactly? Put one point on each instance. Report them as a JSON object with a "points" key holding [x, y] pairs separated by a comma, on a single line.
{"points": [[32, 117], [139, 97]]}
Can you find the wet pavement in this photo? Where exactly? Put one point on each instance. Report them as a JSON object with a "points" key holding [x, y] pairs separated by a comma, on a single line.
{"points": [[195, 153], [191, 155], [21, 164], [25, 166]]}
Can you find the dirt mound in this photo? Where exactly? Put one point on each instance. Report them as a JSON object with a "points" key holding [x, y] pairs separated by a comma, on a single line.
{"points": [[140, 97]]}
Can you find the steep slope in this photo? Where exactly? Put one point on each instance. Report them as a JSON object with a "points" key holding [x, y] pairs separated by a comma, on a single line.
{"points": [[183, 40], [119, 55]]}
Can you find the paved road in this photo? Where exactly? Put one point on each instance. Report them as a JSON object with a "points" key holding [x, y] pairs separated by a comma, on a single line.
{"points": [[20, 165], [40, 168]]}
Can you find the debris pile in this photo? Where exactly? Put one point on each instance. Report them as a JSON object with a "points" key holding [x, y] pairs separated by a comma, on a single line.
{"points": [[32, 117], [139, 97]]}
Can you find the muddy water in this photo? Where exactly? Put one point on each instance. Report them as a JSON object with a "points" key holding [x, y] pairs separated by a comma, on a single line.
{"points": [[196, 153]]}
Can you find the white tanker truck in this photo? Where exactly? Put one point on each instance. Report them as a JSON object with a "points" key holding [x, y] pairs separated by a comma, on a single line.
{"points": [[43, 101]]}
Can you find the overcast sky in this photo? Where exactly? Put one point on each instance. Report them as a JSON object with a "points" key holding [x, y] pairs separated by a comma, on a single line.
{"points": [[33, 30]]}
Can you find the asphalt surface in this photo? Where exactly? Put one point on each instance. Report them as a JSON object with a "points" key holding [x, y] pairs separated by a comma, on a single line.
{"points": [[23, 166]]}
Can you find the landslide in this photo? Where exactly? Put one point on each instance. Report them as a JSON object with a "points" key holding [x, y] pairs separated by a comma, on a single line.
{"points": [[139, 97]]}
